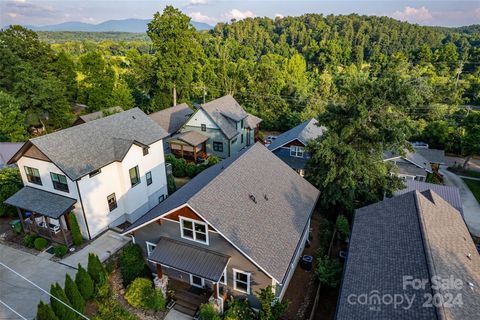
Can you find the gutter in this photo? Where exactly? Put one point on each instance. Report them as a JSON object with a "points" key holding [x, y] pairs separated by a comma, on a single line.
{"points": [[83, 211]]}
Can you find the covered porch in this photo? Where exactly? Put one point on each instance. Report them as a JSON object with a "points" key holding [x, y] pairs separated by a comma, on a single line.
{"points": [[44, 213], [189, 145], [196, 274]]}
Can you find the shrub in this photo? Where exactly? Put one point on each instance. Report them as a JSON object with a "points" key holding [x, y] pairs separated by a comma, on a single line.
{"points": [[75, 228], [178, 168], [208, 312], [213, 160], [11, 182], [328, 271], [96, 270], [170, 158], [40, 243], [238, 309], [271, 308], [74, 295], [141, 294], [325, 234], [84, 283], [343, 228], [61, 250], [110, 309], [171, 186], [45, 312], [61, 311], [29, 240], [191, 170], [132, 264]]}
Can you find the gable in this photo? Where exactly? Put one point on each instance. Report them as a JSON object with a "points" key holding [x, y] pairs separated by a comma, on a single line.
{"points": [[35, 153], [201, 117], [295, 142], [186, 212]]}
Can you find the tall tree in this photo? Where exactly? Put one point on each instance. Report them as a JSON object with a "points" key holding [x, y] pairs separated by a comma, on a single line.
{"points": [[471, 137], [12, 120]]}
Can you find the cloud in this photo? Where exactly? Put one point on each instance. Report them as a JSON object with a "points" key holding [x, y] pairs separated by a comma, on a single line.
{"points": [[411, 14], [199, 17], [238, 15], [197, 2], [279, 15]]}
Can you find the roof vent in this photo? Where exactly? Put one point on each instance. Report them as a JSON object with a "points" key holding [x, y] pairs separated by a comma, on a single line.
{"points": [[469, 256], [265, 196], [471, 285], [133, 117], [252, 197]]}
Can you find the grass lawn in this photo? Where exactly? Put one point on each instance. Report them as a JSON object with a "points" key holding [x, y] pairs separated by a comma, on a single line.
{"points": [[466, 173], [474, 186]]}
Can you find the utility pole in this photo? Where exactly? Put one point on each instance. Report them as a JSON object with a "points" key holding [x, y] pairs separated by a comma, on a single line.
{"points": [[174, 94], [204, 93]]}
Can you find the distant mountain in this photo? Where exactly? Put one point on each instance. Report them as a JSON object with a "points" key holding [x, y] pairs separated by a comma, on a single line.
{"points": [[127, 25]]}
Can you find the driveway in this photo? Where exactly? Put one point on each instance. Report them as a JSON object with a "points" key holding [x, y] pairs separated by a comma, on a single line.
{"points": [[17, 293], [471, 207]]}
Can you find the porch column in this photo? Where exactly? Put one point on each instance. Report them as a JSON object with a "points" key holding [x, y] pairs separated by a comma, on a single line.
{"points": [[195, 153], [21, 219], [159, 271], [63, 230], [48, 226], [215, 290]]}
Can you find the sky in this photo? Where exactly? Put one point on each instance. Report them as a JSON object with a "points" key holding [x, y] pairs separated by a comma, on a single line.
{"points": [[46, 12]]}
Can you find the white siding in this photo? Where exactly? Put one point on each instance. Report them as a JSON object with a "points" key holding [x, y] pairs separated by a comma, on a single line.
{"points": [[199, 118]]}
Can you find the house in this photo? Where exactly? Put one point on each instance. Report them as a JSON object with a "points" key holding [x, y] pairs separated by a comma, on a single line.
{"points": [[7, 150], [172, 119], [96, 115], [412, 166], [105, 171], [436, 157], [223, 128], [407, 256], [235, 228], [290, 145]]}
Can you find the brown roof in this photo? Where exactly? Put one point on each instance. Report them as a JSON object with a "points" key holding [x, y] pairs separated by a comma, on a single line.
{"points": [[193, 138], [173, 118]]}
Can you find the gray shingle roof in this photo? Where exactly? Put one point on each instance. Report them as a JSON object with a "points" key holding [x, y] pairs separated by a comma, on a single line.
{"points": [[193, 138], [84, 148], [252, 121], [100, 114], [432, 155], [267, 231], [303, 132], [410, 169], [418, 235], [173, 118], [222, 109], [190, 259], [43, 202], [7, 150], [412, 157], [448, 193]]}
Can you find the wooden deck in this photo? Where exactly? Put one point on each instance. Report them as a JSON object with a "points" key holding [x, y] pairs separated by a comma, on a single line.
{"points": [[188, 298]]}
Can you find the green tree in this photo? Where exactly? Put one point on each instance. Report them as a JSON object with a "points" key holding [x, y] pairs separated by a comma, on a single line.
{"points": [[96, 270], [73, 294], [328, 271], [75, 228], [132, 264], [271, 309], [44, 312], [12, 120], [84, 283], [471, 137], [11, 182], [61, 310]]}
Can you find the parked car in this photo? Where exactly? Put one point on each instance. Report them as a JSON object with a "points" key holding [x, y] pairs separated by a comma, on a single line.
{"points": [[270, 139]]}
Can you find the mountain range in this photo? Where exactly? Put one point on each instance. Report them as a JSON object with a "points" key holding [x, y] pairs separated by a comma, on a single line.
{"points": [[127, 25]]}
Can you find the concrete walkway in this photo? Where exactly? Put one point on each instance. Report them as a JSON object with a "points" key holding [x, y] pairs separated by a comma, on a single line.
{"points": [[471, 207], [471, 178], [177, 315], [17, 293], [104, 246]]}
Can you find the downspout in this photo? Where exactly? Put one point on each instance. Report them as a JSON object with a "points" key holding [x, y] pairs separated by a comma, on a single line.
{"points": [[83, 210]]}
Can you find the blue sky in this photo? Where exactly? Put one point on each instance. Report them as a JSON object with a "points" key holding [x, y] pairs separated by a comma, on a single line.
{"points": [[43, 12]]}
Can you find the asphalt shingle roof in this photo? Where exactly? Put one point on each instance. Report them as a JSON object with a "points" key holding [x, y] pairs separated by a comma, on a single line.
{"points": [[191, 259], [82, 149], [100, 114], [173, 118], [43, 202], [222, 109], [432, 155], [303, 132], [267, 231], [252, 121], [414, 234], [7, 150], [193, 138]]}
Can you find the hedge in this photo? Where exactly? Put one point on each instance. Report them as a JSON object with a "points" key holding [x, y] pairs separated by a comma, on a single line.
{"points": [[96, 270], [142, 294], [45, 312], [132, 264], [75, 228], [208, 312], [61, 311], [74, 295], [40, 243], [84, 283], [171, 186], [343, 228], [29, 240], [110, 309]]}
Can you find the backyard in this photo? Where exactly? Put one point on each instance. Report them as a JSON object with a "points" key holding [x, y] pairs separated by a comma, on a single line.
{"points": [[474, 186]]}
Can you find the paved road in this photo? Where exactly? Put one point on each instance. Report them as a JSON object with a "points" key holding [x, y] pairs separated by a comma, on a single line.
{"points": [[471, 207], [18, 293]]}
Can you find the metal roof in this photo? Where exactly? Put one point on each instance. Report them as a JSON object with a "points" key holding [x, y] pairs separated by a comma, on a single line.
{"points": [[42, 202], [304, 132], [189, 258], [173, 118]]}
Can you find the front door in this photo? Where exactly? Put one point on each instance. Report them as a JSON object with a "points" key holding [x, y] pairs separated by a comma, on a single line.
{"points": [[196, 281]]}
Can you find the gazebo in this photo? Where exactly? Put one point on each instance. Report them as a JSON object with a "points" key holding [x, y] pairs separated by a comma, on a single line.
{"points": [[44, 213], [190, 144]]}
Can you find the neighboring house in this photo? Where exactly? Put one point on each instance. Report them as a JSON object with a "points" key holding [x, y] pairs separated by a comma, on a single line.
{"points": [[96, 115], [172, 119], [106, 171], [235, 228], [448, 193], [412, 166], [399, 249], [434, 156], [7, 150], [224, 125], [290, 145]]}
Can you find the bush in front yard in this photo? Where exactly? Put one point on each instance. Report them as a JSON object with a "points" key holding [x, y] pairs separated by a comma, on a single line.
{"points": [[44, 312], [132, 264], [61, 250], [343, 228], [84, 283], [29, 240], [178, 168], [171, 186], [208, 312], [142, 294], [74, 295], [271, 309], [96, 270], [212, 160], [238, 309], [61, 311], [75, 228], [329, 271], [110, 309], [40, 243], [191, 170]]}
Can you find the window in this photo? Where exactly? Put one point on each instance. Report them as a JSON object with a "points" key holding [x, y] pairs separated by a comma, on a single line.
{"points": [[194, 230], [149, 178], [33, 175], [217, 146], [223, 279], [94, 173], [241, 124], [241, 281], [161, 198], [59, 181], [134, 176], [296, 151], [150, 247], [112, 202], [145, 151], [242, 138], [204, 127], [197, 281]]}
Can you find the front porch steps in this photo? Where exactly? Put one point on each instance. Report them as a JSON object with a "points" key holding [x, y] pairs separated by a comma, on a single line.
{"points": [[188, 302]]}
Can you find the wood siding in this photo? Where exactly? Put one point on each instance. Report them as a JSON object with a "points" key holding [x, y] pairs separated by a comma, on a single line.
{"points": [[35, 153]]}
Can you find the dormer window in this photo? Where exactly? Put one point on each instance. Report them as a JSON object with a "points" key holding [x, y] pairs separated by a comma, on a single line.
{"points": [[33, 175], [296, 151], [194, 230]]}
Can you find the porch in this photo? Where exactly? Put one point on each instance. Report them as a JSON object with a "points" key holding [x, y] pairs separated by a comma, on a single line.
{"points": [[44, 213], [189, 145]]}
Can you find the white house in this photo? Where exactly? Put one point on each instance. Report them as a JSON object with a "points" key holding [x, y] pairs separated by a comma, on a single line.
{"points": [[106, 172]]}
